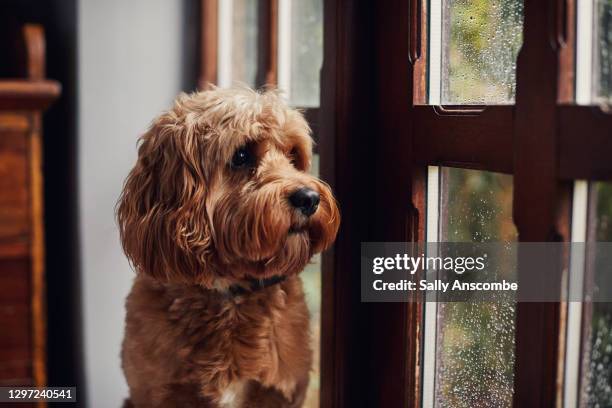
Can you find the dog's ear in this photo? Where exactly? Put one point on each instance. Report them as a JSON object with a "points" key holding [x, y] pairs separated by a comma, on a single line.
{"points": [[161, 212]]}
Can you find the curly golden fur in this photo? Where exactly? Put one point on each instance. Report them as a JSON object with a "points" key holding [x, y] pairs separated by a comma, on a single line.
{"points": [[208, 209]]}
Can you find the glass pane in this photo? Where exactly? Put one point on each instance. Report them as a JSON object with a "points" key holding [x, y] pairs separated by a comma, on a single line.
{"points": [[311, 277], [306, 52], [603, 51], [480, 43], [596, 387], [475, 341], [244, 41]]}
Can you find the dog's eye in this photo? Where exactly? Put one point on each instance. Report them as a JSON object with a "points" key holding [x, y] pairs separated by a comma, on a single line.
{"points": [[241, 158], [297, 160], [293, 157]]}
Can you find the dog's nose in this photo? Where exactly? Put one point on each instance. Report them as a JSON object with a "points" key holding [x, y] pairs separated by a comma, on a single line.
{"points": [[306, 200]]}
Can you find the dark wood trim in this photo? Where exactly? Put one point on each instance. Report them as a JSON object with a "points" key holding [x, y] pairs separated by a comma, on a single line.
{"points": [[585, 143], [418, 49], [267, 64], [209, 27], [536, 198], [395, 328], [333, 297], [346, 143], [460, 137], [566, 18]]}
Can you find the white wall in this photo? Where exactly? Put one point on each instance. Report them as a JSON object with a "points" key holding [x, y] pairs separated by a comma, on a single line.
{"points": [[129, 70]]}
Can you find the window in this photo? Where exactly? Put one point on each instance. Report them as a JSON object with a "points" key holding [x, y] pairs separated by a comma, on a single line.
{"points": [[474, 45], [300, 50], [238, 41], [469, 347]]}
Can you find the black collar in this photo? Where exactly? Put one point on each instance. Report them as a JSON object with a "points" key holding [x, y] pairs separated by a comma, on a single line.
{"points": [[254, 285]]}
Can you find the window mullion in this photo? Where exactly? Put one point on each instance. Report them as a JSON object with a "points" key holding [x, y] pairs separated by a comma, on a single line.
{"points": [[435, 52], [536, 193], [208, 39], [267, 70]]}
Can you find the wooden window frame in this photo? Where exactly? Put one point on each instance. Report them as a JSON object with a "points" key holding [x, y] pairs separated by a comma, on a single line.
{"points": [[376, 138]]}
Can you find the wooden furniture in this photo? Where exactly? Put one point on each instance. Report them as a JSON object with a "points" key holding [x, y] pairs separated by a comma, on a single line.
{"points": [[22, 287]]}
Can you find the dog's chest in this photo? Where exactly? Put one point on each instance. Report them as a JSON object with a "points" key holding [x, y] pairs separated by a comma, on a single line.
{"points": [[234, 341], [234, 395]]}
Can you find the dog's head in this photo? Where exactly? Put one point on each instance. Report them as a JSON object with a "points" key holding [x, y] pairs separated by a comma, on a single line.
{"points": [[221, 191]]}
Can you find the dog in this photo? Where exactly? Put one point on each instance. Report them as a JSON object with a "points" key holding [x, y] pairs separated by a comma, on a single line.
{"points": [[218, 217]]}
